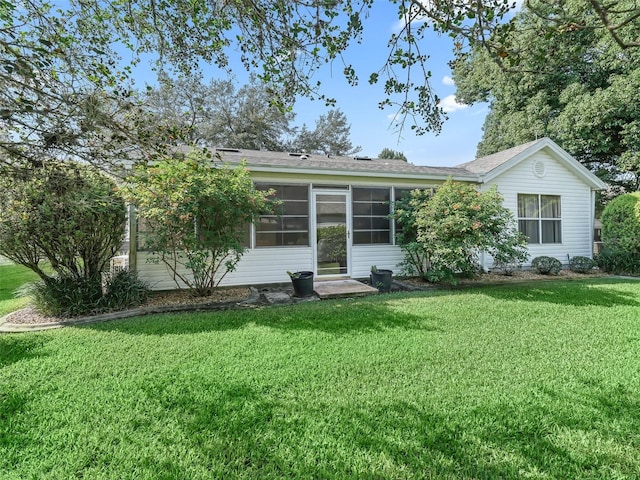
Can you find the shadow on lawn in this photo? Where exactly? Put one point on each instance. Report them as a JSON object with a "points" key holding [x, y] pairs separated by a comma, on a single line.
{"points": [[14, 348], [242, 430], [336, 317], [575, 293]]}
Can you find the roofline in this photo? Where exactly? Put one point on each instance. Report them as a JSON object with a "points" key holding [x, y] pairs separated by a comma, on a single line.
{"points": [[361, 173], [579, 169]]}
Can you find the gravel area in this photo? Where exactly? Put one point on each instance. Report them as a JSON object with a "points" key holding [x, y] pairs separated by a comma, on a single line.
{"points": [[29, 316]]}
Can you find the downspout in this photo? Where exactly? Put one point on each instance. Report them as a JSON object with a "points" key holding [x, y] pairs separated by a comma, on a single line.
{"points": [[592, 218]]}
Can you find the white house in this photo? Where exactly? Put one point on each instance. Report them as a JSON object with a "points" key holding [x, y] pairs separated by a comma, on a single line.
{"points": [[335, 210]]}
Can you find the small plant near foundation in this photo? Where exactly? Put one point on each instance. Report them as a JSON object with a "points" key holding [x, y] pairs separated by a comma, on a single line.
{"points": [[546, 265]]}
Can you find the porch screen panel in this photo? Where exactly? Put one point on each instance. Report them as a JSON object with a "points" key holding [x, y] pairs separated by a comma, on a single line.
{"points": [[289, 225], [371, 223]]}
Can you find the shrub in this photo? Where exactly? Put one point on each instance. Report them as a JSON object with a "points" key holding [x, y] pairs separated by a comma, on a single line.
{"points": [[621, 224], [620, 263], [580, 264], [124, 290], [458, 223], [66, 297], [69, 216], [195, 211], [546, 265]]}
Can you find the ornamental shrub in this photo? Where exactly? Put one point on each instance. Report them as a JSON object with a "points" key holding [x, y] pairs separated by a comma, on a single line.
{"points": [[621, 224], [195, 210], [620, 263], [580, 264], [68, 216], [458, 223], [546, 265]]}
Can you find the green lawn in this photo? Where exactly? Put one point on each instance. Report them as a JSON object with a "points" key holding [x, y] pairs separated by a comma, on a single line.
{"points": [[11, 278], [499, 382]]}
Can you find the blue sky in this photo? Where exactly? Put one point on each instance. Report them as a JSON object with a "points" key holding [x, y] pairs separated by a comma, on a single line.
{"points": [[371, 127]]}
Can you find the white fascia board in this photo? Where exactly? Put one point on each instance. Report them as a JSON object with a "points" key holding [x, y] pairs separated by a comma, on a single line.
{"points": [[362, 173]]}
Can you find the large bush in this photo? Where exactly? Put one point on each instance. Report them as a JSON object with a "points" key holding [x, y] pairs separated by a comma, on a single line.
{"points": [[69, 216], [195, 213], [458, 223], [621, 224], [416, 255]]}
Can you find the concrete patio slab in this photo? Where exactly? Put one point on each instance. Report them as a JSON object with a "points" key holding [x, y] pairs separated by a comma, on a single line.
{"points": [[342, 288]]}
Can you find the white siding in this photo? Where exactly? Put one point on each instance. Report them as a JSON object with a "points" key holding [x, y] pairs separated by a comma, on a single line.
{"points": [[575, 198], [258, 266], [382, 256]]}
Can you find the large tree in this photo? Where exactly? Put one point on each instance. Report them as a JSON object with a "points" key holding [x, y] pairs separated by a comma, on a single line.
{"points": [[65, 92], [330, 136], [219, 114], [575, 84]]}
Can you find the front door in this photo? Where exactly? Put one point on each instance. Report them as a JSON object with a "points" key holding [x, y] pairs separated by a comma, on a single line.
{"points": [[332, 233]]}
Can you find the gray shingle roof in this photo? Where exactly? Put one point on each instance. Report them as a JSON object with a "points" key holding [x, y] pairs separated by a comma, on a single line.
{"points": [[345, 165], [486, 164]]}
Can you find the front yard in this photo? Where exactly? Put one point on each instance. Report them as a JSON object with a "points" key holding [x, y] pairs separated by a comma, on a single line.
{"points": [[495, 382]]}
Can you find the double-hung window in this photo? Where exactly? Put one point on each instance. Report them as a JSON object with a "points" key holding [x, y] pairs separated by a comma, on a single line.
{"points": [[540, 218], [289, 225]]}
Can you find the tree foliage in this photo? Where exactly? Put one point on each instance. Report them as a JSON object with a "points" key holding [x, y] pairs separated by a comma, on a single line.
{"points": [[330, 136], [67, 215], [392, 154], [458, 223], [219, 114], [560, 76], [621, 224], [416, 253], [64, 92], [195, 212]]}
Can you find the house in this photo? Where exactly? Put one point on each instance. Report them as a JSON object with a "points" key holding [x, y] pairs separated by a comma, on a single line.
{"points": [[335, 223]]}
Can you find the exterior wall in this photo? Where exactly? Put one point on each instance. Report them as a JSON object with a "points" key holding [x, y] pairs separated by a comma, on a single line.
{"points": [[576, 205], [382, 256]]}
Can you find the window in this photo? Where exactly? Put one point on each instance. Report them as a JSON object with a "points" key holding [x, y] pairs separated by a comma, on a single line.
{"points": [[371, 222], [289, 226], [539, 218]]}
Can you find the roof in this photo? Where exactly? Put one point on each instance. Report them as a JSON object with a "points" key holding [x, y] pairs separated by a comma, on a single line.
{"points": [[483, 165], [489, 167], [315, 163]]}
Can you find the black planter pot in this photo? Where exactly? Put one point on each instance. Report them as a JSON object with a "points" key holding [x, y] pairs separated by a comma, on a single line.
{"points": [[381, 279], [302, 284]]}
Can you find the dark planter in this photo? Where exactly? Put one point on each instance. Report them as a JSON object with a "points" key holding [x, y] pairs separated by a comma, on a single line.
{"points": [[302, 284], [381, 279]]}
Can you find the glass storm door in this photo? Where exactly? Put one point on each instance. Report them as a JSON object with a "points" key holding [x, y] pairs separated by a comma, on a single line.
{"points": [[332, 237]]}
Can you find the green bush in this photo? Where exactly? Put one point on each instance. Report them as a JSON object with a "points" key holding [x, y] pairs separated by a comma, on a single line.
{"points": [[66, 297], [580, 264], [124, 290], [621, 224], [620, 263], [546, 265]]}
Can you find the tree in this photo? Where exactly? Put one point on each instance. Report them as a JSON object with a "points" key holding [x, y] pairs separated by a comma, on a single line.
{"points": [[392, 154], [416, 253], [218, 114], [458, 223], [56, 61], [330, 137], [195, 213], [575, 84], [621, 224], [68, 215]]}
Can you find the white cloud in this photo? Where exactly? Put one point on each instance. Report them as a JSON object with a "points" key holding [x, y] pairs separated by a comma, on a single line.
{"points": [[448, 104], [447, 80]]}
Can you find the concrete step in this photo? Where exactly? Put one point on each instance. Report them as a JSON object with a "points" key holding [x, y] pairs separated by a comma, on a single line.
{"points": [[342, 288]]}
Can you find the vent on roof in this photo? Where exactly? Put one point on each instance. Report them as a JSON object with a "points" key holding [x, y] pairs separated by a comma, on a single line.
{"points": [[230, 150], [298, 154], [362, 158]]}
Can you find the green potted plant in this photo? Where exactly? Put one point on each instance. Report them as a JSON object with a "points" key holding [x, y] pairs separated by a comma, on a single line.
{"points": [[381, 279], [302, 283]]}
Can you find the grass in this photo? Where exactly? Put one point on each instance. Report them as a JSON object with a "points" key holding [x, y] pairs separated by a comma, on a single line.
{"points": [[500, 382], [12, 277]]}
